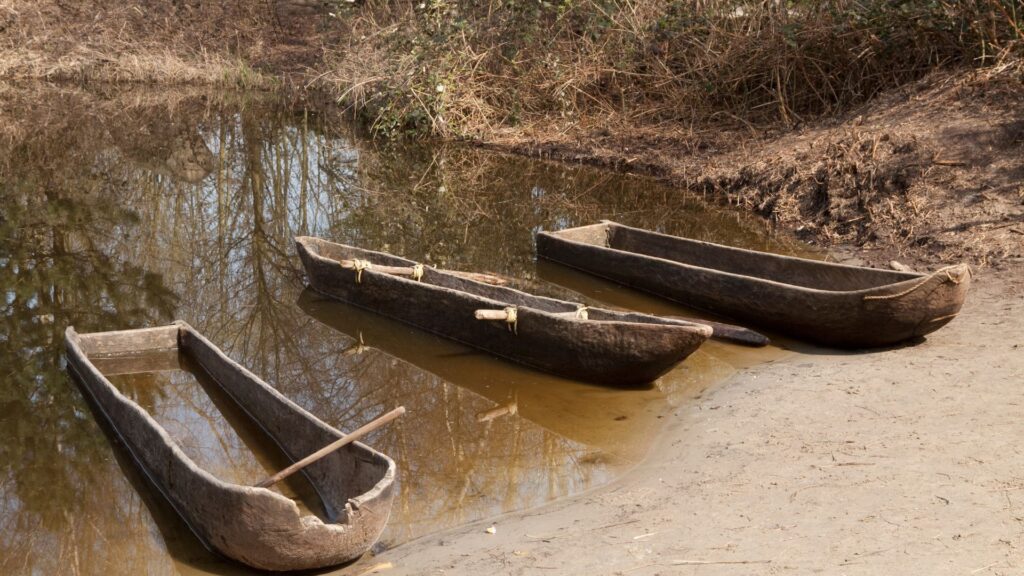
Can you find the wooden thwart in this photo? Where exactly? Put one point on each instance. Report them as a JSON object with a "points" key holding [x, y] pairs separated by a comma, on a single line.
{"points": [[333, 446], [501, 315]]}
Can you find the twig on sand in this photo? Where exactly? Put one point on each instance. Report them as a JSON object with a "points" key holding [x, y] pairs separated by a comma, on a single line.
{"points": [[613, 525], [696, 563], [553, 536], [702, 562]]}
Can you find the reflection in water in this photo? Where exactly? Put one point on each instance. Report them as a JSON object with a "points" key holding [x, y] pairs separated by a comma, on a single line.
{"points": [[132, 210], [616, 425], [209, 427]]}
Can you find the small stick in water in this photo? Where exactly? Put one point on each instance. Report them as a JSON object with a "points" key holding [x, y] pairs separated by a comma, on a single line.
{"points": [[346, 439], [497, 412]]}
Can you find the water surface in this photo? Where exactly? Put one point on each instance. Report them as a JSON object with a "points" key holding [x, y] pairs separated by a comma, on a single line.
{"points": [[133, 209]]}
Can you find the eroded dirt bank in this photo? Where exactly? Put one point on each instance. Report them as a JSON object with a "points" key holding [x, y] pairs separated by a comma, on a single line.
{"points": [[897, 128], [930, 172], [903, 461]]}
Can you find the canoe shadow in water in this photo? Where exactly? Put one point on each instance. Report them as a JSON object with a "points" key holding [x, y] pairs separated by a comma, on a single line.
{"points": [[610, 294], [590, 414]]}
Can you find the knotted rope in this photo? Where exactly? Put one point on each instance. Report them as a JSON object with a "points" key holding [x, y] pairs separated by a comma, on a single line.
{"points": [[512, 319], [949, 278], [581, 312], [360, 265], [417, 272]]}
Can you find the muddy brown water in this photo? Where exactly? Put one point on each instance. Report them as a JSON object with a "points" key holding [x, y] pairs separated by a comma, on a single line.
{"points": [[131, 210]]}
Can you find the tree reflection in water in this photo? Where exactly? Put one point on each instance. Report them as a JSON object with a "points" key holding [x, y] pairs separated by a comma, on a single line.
{"points": [[133, 209]]}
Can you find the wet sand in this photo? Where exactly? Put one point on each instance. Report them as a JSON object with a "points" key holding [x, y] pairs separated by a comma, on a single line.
{"points": [[901, 461]]}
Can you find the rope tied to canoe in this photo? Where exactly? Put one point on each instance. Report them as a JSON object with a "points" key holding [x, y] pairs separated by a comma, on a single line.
{"points": [[360, 265], [958, 279], [949, 278], [417, 272], [512, 319], [581, 312]]}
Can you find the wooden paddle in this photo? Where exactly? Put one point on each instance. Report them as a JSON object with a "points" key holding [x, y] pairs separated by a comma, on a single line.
{"points": [[346, 439]]}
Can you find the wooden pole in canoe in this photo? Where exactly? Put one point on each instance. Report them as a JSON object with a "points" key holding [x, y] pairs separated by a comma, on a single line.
{"points": [[721, 331], [411, 271], [339, 443]]}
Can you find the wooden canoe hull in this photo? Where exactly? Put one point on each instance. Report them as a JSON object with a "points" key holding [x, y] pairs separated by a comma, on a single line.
{"points": [[255, 526], [825, 303], [615, 349]]}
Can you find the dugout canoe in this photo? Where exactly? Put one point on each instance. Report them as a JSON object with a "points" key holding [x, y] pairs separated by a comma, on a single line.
{"points": [[602, 346], [822, 302], [256, 526]]}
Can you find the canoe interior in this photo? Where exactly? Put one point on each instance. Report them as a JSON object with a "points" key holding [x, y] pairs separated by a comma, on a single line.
{"points": [[783, 269], [209, 427], [508, 296], [347, 475], [499, 294]]}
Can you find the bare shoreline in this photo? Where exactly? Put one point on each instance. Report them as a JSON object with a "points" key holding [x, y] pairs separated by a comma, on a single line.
{"points": [[896, 461]]}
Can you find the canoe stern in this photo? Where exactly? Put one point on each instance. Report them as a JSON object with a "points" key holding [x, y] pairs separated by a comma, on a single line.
{"points": [[943, 303]]}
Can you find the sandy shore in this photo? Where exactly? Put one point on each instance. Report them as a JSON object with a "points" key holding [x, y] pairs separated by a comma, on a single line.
{"points": [[904, 461]]}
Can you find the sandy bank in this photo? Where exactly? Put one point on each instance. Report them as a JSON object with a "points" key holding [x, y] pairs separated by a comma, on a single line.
{"points": [[902, 461]]}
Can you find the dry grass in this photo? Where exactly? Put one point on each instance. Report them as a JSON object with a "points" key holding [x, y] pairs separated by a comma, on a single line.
{"points": [[510, 64], [930, 171], [119, 42], [153, 67], [462, 68]]}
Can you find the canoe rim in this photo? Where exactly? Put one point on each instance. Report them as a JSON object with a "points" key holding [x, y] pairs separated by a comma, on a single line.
{"points": [[311, 245]]}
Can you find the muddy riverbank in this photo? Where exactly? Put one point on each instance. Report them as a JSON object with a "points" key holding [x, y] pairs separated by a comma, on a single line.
{"points": [[820, 462], [928, 173]]}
